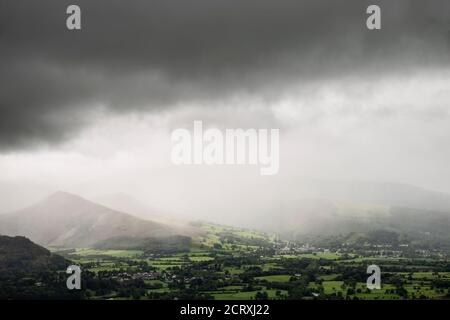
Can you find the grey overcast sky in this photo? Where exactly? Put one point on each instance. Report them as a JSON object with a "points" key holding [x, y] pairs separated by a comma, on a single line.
{"points": [[149, 55], [92, 110]]}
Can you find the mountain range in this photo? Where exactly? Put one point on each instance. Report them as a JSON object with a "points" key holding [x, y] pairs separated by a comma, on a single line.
{"points": [[68, 220]]}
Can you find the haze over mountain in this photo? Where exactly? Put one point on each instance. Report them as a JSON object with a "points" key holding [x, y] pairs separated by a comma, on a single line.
{"points": [[325, 218], [126, 203], [68, 220], [330, 208], [386, 194]]}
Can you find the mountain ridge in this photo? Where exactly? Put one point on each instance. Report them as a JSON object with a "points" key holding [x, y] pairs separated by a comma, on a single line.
{"points": [[68, 220]]}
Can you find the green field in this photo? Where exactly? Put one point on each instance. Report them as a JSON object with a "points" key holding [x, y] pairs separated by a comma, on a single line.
{"points": [[276, 278], [236, 295], [87, 252]]}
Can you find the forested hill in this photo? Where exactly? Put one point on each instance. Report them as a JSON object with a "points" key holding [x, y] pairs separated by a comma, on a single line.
{"points": [[20, 254], [29, 271]]}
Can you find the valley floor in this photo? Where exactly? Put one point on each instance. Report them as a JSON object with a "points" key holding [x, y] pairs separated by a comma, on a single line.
{"points": [[229, 263]]}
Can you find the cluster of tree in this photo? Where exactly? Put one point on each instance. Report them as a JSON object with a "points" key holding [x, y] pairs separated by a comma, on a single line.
{"points": [[151, 245]]}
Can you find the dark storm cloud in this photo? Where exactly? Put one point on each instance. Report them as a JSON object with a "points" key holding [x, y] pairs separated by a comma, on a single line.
{"points": [[139, 55]]}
